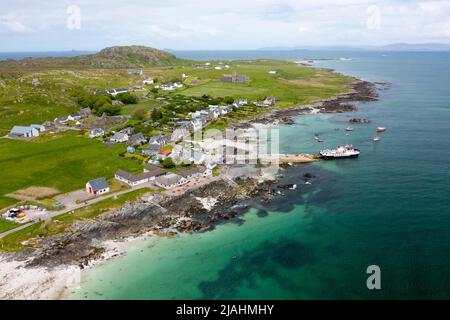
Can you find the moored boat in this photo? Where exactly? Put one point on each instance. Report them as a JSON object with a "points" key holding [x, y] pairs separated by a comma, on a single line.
{"points": [[341, 152], [381, 129]]}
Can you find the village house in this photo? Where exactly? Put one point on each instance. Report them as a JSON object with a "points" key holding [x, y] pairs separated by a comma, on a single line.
{"points": [[48, 125], [97, 132], [97, 186], [127, 130], [115, 92], [131, 149], [269, 101], [74, 117], [170, 181], [234, 78], [148, 81], [150, 173], [152, 150], [192, 172], [188, 155], [266, 103], [163, 154], [159, 139], [119, 137], [23, 132], [135, 72], [137, 139], [61, 120], [41, 128], [272, 72], [171, 86]]}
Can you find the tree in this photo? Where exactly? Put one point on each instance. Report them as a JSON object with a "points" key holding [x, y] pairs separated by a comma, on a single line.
{"points": [[156, 114], [167, 163], [176, 80], [140, 114], [127, 98], [109, 110]]}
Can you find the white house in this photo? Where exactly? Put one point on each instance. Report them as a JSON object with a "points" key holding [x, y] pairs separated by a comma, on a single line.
{"points": [[74, 117], [39, 127], [150, 173], [171, 86], [170, 181], [25, 132], [95, 133], [119, 137], [272, 72], [148, 81]]}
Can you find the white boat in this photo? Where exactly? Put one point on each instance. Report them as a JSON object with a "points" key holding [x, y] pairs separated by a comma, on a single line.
{"points": [[381, 129], [376, 138], [340, 153], [349, 129]]}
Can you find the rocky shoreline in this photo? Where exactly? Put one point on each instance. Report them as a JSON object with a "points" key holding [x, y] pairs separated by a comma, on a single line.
{"points": [[360, 91]]}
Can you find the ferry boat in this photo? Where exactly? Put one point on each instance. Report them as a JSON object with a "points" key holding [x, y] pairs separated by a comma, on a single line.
{"points": [[340, 153]]}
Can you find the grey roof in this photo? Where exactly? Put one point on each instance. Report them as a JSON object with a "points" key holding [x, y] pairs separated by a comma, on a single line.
{"points": [[21, 130], [154, 170], [137, 138], [98, 184], [135, 177], [118, 136], [169, 179], [188, 171]]}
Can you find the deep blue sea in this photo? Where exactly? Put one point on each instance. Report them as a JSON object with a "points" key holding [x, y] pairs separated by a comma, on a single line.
{"points": [[390, 207]]}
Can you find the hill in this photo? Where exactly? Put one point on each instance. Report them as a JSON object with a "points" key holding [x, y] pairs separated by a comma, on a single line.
{"points": [[112, 57]]}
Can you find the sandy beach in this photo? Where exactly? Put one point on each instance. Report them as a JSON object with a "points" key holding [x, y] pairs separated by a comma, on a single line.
{"points": [[20, 283]]}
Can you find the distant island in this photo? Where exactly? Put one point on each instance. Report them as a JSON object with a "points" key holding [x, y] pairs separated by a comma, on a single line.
{"points": [[390, 47]]}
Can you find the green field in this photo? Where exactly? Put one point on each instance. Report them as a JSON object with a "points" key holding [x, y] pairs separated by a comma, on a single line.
{"points": [[64, 162], [6, 225], [293, 84]]}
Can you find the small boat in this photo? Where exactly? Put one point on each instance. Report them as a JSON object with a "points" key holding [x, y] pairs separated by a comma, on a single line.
{"points": [[376, 138], [381, 129], [340, 153], [349, 129]]}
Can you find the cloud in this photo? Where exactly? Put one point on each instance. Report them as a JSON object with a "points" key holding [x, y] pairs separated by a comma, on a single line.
{"points": [[10, 23], [231, 24]]}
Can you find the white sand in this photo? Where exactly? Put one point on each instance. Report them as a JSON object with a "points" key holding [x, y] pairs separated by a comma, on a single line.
{"points": [[17, 282]]}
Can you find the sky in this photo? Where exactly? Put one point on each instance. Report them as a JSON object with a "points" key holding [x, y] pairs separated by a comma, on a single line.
{"points": [[48, 25]]}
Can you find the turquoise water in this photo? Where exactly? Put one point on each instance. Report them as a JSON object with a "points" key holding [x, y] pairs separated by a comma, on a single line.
{"points": [[390, 207]]}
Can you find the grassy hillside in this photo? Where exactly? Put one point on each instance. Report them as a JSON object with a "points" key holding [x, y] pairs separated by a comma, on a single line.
{"points": [[64, 162], [113, 57], [292, 84]]}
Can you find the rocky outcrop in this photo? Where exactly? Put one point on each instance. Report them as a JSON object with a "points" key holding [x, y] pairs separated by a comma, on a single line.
{"points": [[161, 214]]}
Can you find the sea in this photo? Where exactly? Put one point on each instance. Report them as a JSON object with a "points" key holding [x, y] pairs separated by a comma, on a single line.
{"points": [[389, 208]]}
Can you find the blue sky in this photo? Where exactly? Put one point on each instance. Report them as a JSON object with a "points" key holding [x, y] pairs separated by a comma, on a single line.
{"points": [[45, 25]]}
